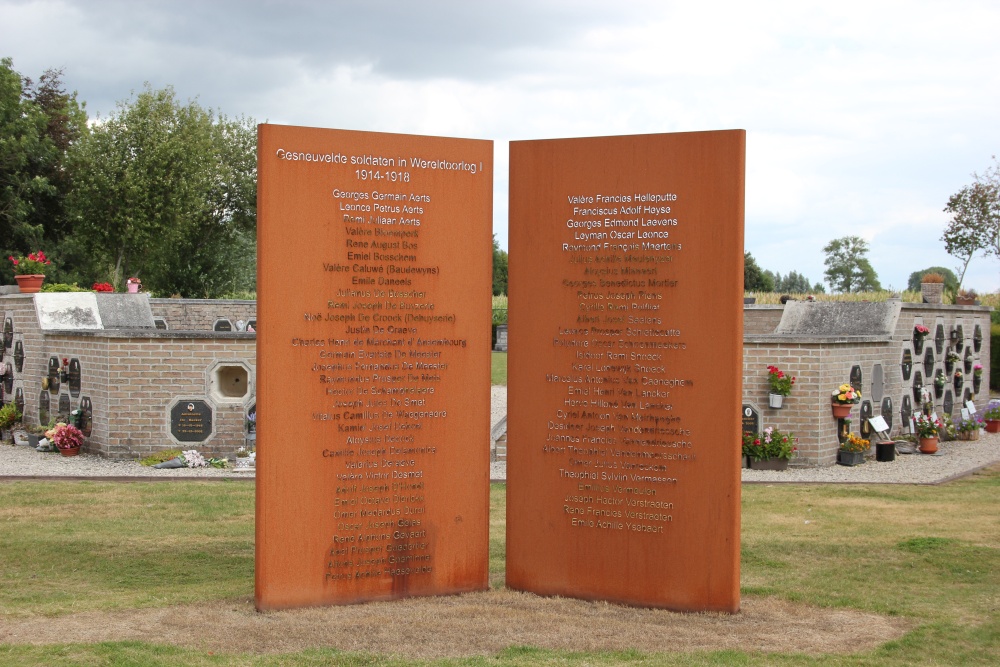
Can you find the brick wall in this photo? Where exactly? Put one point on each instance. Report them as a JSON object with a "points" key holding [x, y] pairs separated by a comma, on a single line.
{"points": [[201, 314]]}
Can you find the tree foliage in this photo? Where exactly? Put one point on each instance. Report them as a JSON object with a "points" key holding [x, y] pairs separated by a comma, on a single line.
{"points": [[950, 280], [755, 280], [793, 283], [39, 123], [975, 221], [166, 191], [499, 269], [847, 266]]}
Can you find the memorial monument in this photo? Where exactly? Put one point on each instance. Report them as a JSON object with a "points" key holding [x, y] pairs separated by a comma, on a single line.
{"points": [[373, 366], [626, 297]]}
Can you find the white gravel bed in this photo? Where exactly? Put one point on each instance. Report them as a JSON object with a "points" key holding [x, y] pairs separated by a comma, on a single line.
{"points": [[19, 461]]}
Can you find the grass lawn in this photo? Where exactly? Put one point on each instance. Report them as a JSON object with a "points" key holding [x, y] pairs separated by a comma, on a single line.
{"points": [[930, 554], [498, 368]]}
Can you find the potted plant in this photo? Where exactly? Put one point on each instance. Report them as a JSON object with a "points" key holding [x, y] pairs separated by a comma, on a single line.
{"points": [[852, 450], [133, 285], [245, 458], [843, 398], [67, 438], [931, 287], [29, 271], [103, 287], [977, 377], [950, 361], [966, 297], [958, 379], [781, 386], [992, 419], [9, 415], [968, 429], [928, 430], [771, 450]]}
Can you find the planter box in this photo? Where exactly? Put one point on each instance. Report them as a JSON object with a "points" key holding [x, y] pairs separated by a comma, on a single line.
{"points": [[850, 458], [769, 464]]}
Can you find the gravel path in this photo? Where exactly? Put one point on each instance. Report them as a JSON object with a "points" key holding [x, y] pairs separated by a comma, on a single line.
{"points": [[956, 458]]}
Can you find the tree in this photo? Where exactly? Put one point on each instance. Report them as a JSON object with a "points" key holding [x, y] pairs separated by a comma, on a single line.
{"points": [[975, 222], [499, 269], [167, 191], [793, 283], [38, 125], [848, 268], [950, 280], [755, 280]]}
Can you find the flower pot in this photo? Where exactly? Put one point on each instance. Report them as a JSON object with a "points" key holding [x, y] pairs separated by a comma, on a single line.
{"points": [[931, 292], [968, 435], [841, 411], [133, 288], [850, 458], [965, 300], [243, 463], [993, 425], [775, 400], [29, 283], [70, 451], [928, 445], [885, 451], [769, 464]]}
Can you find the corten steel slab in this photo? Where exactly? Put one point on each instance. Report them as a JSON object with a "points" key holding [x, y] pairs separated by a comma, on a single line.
{"points": [[373, 366], [625, 339]]}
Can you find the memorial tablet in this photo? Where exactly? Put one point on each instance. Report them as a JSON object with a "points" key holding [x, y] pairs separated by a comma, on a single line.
{"points": [[626, 334], [751, 419], [373, 366], [191, 421]]}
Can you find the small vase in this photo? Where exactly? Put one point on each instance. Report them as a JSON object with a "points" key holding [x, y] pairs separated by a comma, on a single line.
{"points": [[775, 400], [928, 445], [841, 411], [133, 288], [70, 451], [29, 283]]}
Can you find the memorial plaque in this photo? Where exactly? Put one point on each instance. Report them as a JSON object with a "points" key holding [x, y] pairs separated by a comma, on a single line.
{"points": [[949, 402], [939, 339], [751, 419], [19, 399], [886, 410], [8, 377], [918, 387], [905, 410], [19, 356], [501, 344], [74, 377], [878, 383], [843, 430], [928, 362], [64, 408], [43, 407], [624, 370], [191, 421], [223, 325], [907, 364], [373, 366], [865, 429], [87, 416], [959, 337], [53, 375], [918, 342], [967, 360], [856, 377], [967, 396], [160, 323], [8, 333], [977, 338]]}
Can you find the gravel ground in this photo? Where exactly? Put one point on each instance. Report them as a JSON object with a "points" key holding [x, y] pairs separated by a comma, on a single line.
{"points": [[956, 458]]}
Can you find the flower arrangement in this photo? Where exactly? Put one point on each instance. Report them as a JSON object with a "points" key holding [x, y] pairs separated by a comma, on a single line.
{"points": [[969, 425], [932, 278], [846, 395], [958, 375], [939, 381], [32, 264], [977, 371], [993, 413], [781, 383], [920, 331], [134, 281], [855, 443], [927, 427], [65, 436], [103, 287], [9, 415], [771, 444], [953, 358]]}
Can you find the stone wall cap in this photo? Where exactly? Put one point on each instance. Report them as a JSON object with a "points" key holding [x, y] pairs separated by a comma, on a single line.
{"points": [[154, 333], [806, 339]]}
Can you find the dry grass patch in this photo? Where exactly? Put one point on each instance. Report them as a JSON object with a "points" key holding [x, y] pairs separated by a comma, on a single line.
{"points": [[471, 625]]}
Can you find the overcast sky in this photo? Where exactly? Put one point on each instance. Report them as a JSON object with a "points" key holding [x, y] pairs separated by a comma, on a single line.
{"points": [[861, 117]]}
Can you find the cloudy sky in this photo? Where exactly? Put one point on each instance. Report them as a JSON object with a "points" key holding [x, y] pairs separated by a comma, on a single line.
{"points": [[861, 117]]}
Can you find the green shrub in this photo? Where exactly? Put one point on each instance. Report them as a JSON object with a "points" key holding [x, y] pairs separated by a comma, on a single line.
{"points": [[995, 357], [160, 457], [63, 287]]}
